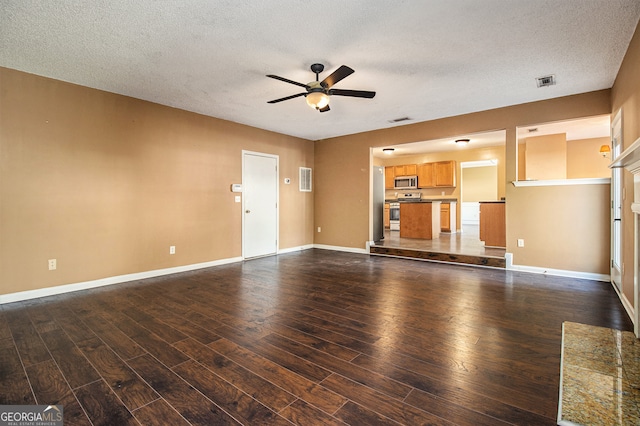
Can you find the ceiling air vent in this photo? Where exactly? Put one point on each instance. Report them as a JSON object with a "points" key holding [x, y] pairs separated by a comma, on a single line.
{"points": [[548, 80], [397, 120]]}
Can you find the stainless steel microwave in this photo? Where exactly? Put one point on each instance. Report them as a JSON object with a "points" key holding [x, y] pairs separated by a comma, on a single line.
{"points": [[406, 182]]}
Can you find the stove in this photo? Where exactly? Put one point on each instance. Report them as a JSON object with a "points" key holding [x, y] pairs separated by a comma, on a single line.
{"points": [[394, 208], [409, 197]]}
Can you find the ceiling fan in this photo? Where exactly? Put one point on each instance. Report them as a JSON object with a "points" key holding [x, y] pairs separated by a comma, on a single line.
{"points": [[318, 92]]}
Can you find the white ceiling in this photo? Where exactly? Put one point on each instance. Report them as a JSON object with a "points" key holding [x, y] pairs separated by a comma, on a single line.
{"points": [[425, 59]]}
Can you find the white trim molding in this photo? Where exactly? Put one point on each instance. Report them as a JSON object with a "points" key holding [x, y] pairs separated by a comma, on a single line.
{"points": [[557, 272], [67, 288], [561, 182], [295, 249], [630, 160], [339, 248]]}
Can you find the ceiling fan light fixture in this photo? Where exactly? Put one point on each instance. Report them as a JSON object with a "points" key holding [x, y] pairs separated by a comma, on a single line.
{"points": [[317, 100]]}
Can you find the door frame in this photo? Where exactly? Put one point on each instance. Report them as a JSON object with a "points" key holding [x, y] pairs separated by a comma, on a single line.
{"points": [[277, 200], [616, 175], [492, 162]]}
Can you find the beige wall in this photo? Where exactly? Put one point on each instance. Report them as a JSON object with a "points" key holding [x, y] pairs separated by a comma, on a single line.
{"points": [[625, 96], [583, 158], [585, 161], [345, 223], [105, 184], [545, 157], [480, 184], [560, 225]]}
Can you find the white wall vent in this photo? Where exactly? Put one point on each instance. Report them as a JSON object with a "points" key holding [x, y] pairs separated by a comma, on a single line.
{"points": [[305, 179], [548, 80]]}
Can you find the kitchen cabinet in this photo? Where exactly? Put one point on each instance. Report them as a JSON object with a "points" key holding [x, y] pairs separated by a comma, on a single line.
{"points": [[492, 224], [445, 221], [439, 174], [425, 175], [387, 216], [406, 170], [444, 173], [389, 176], [420, 220], [448, 218]]}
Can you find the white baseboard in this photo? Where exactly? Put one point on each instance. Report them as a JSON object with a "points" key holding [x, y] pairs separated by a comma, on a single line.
{"points": [[339, 248], [555, 272], [295, 249], [51, 291]]}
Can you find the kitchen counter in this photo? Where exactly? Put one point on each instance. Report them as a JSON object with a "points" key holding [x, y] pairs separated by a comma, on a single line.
{"points": [[492, 224], [424, 200]]}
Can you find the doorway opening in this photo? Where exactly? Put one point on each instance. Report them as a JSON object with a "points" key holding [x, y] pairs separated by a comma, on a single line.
{"points": [[482, 149], [478, 183]]}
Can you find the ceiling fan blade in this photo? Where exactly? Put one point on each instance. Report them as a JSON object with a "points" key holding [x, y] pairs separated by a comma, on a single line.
{"points": [[353, 93], [287, 98], [325, 109], [336, 76], [286, 80]]}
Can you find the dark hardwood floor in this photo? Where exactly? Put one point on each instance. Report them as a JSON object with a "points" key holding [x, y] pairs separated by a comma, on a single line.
{"points": [[311, 338]]}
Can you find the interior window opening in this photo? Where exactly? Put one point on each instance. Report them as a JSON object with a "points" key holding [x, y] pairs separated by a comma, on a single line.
{"points": [[569, 150]]}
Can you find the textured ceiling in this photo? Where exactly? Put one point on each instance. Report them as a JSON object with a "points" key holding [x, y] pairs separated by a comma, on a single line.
{"points": [[425, 59]]}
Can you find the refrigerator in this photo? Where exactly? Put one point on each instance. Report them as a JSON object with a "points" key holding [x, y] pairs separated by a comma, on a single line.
{"points": [[378, 203]]}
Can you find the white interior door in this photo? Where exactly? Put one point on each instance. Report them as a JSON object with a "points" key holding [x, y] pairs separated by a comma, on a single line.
{"points": [[260, 204], [616, 204]]}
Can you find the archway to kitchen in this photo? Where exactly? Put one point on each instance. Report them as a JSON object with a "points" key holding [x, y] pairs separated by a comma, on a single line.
{"points": [[436, 164]]}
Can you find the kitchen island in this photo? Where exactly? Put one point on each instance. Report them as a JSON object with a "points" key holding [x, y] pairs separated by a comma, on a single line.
{"points": [[420, 219]]}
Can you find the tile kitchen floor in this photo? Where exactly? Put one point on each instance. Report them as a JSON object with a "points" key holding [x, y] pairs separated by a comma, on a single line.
{"points": [[465, 242]]}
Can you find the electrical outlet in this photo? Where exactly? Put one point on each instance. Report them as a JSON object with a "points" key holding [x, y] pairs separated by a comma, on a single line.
{"points": [[319, 229], [172, 249], [520, 242], [53, 264]]}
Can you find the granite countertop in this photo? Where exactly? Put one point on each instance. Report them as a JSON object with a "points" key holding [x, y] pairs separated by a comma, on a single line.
{"points": [[600, 376]]}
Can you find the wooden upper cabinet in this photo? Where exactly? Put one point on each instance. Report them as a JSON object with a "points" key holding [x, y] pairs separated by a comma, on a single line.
{"points": [[425, 175], [389, 176], [405, 170], [438, 174], [410, 169], [444, 173]]}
